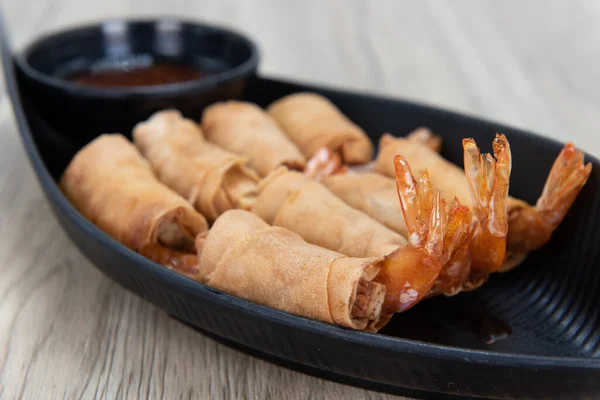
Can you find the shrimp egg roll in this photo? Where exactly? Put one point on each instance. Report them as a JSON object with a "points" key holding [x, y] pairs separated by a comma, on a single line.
{"points": [[296, 202], [244, 128], [272, 266], [529, 226], [448, 178], [110, 183], [312, 121], [371, 193], [212, 179]]}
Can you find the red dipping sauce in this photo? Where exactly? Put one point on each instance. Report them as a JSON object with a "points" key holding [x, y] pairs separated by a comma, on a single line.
{"points": [[147, 76]]}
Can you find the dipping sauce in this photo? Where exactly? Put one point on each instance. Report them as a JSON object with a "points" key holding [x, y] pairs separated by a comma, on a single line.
{"points": [[147, 76]]}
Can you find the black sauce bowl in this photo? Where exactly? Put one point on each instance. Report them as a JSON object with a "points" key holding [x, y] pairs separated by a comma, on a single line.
{"points": [[81, 112]]}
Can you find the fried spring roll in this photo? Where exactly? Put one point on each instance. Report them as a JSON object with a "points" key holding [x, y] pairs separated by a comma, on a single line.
{"points": [[110, 183], [371, 193], [312, 121], [244, 128], [296, 202], [448, 178], [212, 179], [272, 266]]}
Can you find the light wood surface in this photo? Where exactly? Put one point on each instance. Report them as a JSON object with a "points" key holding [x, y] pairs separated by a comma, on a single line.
{"points": [[67, 331]]}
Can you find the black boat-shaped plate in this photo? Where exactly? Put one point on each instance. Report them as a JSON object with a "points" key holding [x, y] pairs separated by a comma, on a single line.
{"points": [[551, 302]]}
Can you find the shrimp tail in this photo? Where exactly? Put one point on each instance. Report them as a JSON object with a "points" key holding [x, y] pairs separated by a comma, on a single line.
{"points": [[456, 255], [323, 163], [488, 177], [565, 181], [531, 227], [458, 230], [410, 272], [420, 204]]}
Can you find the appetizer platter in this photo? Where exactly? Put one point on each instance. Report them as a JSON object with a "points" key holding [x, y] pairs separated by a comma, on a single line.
{"points": [[363, 239]]}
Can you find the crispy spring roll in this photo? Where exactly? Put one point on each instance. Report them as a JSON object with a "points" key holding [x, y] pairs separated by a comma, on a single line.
{"points": [[448, 178], [110, 183], [244, 128], [529, 227], [272, 266], [410, 269], [371, 193], [294, 201], [480, 248], [212, 179], [312, 121]]}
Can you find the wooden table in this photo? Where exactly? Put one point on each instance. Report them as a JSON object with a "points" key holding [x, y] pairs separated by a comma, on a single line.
{"points": [[67, 331]]}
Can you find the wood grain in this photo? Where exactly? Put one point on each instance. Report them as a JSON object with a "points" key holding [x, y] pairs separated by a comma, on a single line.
{"points": [[66, 331]]}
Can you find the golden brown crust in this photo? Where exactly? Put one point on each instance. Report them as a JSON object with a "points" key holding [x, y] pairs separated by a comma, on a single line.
{"points": [[290, 199], [371, 193], [113, 186], [244, 128], [273, 266], [212, 179], [445, 176], [312, 121]]}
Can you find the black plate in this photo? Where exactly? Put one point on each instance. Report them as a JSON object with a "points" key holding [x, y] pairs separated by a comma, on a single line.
{"points": [[551, 301]]}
